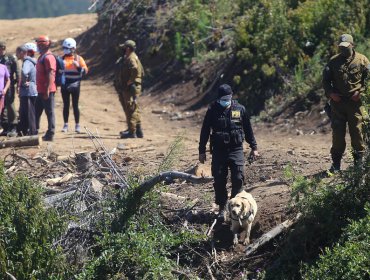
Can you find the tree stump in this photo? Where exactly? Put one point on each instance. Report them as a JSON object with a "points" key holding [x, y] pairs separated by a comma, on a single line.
{"points": [[84, 162]]}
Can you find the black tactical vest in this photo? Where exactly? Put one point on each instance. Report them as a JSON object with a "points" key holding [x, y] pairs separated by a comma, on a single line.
{"points": [[227, 126]]}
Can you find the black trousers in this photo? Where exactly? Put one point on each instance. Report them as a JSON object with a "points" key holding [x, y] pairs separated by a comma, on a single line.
{"points": [[49, 106], [9, 115], [66, 96], [222, 160], [27, 115]]}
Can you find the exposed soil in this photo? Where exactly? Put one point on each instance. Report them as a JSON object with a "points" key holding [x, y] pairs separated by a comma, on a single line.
{"points": [[280, 144]]}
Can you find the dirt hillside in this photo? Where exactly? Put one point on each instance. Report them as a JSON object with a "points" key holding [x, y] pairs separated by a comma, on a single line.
{"points": [[280, 145]]}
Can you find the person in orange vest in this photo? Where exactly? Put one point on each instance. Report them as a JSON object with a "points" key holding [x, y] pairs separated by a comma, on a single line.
{"points": [[75, 69]]}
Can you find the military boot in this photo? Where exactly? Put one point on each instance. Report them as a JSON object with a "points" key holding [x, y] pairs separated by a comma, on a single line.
{"points": [[128, 134], [357, 158], [221, 213], [139, 131], [335, 167]]}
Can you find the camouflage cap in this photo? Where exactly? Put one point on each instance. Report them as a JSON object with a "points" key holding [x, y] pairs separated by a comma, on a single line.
{"points": [[2, 44], [345, 40], [129, 43]]}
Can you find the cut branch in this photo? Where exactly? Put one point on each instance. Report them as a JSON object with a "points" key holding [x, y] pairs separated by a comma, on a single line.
{"points": [[21, 142], [267, 237], [149, 184]]}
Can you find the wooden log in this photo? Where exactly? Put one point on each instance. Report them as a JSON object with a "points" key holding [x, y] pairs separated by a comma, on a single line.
{"points": [[53, 199], [268, 236], [149, 184], [24, 141]]}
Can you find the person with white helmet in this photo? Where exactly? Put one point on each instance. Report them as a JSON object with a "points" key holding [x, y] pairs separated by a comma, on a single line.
{"points": [[75, 69], [27, 89]]}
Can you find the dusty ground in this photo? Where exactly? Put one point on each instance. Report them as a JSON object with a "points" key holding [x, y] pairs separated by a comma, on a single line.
{"points": [[280, 145]]}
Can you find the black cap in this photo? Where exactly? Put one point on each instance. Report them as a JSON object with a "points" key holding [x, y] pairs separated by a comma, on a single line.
{"points": [[224, 90], [2, 44]]}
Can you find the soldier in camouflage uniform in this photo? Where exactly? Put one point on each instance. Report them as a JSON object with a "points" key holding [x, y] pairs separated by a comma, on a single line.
{"points": [[344, 82], [128, 77], [9, 116]]}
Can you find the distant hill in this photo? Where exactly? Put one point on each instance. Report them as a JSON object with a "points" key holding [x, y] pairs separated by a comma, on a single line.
{"points": [[41, 8]]}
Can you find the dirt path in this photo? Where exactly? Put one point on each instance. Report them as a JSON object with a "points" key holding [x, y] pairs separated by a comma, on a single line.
{"points": [[101, 112]]}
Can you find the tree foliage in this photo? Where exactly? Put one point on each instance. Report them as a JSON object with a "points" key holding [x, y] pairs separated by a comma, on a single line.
{"points": [[278, 44]]}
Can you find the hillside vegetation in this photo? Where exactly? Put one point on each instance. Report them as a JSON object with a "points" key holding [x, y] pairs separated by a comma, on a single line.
{"points": [[271, 51], [41, 8]]}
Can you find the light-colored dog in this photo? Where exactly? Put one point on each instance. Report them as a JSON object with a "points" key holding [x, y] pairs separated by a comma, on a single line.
{"points": [[241, 211]]}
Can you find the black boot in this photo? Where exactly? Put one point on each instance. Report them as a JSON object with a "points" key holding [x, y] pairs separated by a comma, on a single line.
{"points": [[357, 158], [123, 131], [12, 131], [128, 134], [139, 131], [335, 167], [221, 213]]}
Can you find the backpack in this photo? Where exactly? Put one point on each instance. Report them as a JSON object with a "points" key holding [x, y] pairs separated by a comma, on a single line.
{"points": [[30, 60], [117, 81], [60, 78]]}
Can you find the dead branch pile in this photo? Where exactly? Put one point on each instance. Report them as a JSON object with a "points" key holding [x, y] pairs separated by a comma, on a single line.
{"points": [[78, 186]]}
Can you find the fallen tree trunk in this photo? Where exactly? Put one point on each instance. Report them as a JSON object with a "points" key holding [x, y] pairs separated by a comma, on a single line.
{"points": [[149, 184], [24, 141], [53, 199], [267, 237]]}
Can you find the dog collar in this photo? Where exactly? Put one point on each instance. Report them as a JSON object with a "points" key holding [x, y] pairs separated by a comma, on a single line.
{"points": [[245, 218]]}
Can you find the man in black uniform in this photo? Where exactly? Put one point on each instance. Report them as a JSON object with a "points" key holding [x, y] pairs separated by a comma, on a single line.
{"points": [[227, 122], [9, 116]]}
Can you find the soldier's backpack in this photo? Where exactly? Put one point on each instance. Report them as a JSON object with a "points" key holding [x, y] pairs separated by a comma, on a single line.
{"points": [[60, 78]]}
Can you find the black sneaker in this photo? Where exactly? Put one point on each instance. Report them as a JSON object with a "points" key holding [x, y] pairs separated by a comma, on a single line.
{"points": [[48, 138], [128, 134], [12, 133]]}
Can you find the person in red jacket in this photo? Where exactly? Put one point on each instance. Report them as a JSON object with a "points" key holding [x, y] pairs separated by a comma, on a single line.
{"points": [[46, 87]]}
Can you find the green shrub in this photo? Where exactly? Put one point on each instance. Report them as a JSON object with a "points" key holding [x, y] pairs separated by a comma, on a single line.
{"points": [[327, 208], [349, 258], [28, 231], [140, 248]]}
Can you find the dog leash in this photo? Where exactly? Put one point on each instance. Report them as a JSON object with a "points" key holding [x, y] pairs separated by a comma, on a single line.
{"points": [[250, 213]]}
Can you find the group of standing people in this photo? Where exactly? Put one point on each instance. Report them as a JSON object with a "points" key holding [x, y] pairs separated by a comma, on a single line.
{"points": [[36, 84], [38, 79]]}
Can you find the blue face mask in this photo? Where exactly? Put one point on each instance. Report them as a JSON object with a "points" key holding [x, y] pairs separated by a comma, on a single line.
{"points": [[224, 103]]}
